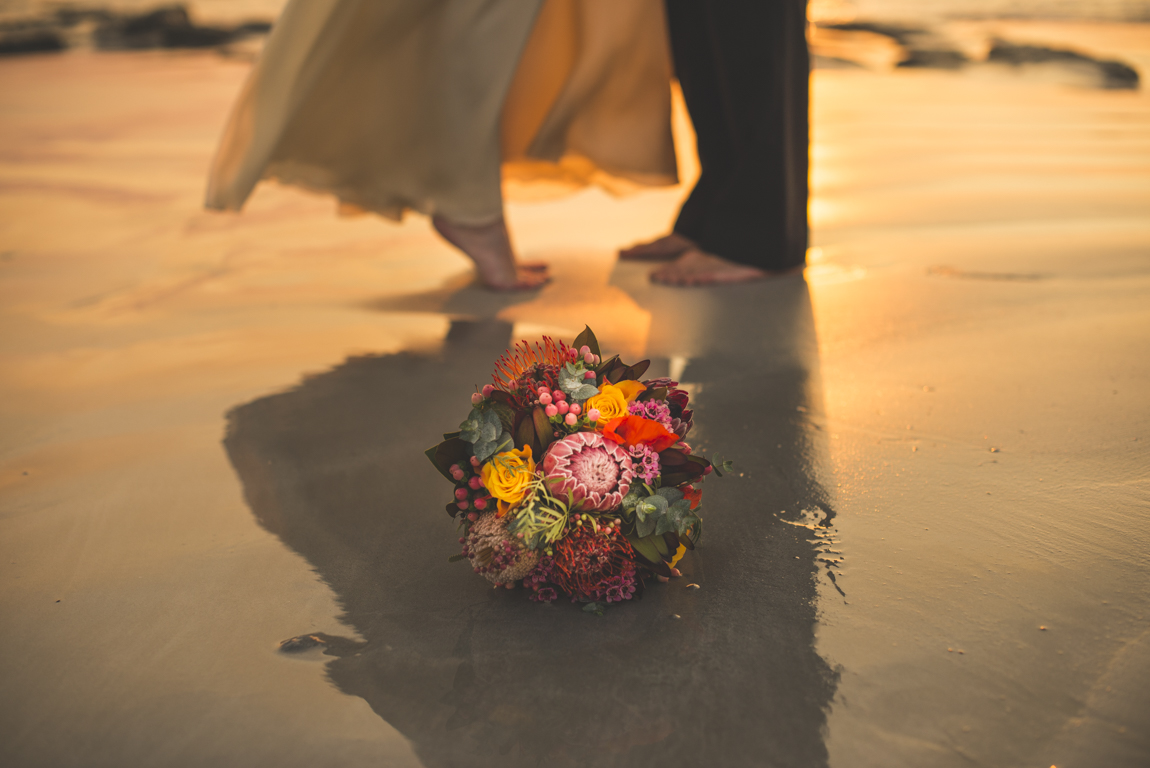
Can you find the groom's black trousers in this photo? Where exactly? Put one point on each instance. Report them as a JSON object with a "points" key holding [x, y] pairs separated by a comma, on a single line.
{"points": [[744, 70]]}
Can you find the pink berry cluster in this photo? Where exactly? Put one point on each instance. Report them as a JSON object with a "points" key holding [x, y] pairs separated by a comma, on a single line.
{"points": [[482, 395], [470, 495], [561, 413], [583, 352]]}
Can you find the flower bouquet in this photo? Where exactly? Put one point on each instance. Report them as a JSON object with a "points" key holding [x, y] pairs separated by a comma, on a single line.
{"points": [[573, 476]]}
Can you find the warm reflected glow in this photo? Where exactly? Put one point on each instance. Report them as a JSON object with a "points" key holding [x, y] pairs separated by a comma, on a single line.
{"points": [[831, 11], [823, 211]]}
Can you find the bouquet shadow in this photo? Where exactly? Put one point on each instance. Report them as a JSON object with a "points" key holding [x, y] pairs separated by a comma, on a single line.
{"points": [[723, 675]]}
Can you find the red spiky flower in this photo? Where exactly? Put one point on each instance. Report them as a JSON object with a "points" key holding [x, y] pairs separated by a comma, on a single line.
{"points": [[591, 564], [524, 358]]}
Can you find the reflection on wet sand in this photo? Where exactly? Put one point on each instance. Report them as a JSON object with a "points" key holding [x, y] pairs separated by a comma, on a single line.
{"points": [[725, 675]]}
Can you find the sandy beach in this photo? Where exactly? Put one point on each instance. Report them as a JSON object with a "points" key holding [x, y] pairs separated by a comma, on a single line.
{"points": [[933, 553]]}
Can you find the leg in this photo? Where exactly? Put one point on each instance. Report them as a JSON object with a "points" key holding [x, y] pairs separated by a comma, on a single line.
{"points": [[696, 69], [744, 69], [489, 246], [660, 249], [761, 217]]}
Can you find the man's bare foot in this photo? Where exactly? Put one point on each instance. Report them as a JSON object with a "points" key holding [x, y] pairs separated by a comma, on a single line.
{"points": [[696, 267], [489, 246], [665, 247]]}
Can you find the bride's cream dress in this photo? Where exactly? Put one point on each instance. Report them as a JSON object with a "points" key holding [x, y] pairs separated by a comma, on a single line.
{"points": [[429, 105]]}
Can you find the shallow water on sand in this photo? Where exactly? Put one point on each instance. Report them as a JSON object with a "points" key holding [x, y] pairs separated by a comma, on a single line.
{"points": [[986, 424], [210, 430]]}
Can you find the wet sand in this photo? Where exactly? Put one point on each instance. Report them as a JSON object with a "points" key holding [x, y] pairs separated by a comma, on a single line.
{"points": [[211, 431]]}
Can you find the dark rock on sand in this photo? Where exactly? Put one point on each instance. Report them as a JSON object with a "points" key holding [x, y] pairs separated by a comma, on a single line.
{"points": [[927, 58], [834, 62], [903, 34], [169, 27], [1111, 73], [19, 41], [924, 48]]}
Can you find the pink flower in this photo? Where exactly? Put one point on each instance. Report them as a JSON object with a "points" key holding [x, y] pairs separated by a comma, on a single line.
{"points": [[597, 473]]}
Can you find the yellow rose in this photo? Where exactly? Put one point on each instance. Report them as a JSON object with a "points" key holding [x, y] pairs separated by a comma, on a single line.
{"points": [[631, 389], [508, 475], [611, 402]]}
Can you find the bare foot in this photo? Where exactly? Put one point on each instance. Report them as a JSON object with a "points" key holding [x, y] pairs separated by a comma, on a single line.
{"points": [[696, 267], [665, 247], [489, 246]]}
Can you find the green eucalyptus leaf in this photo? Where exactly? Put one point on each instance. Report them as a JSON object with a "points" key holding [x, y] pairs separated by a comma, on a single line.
{"points": [[645, 526], [652, 506], [595, 608], [672, 495], [584, 393], [571, 377], [576, 387], [485, 450], [686, 522], [471, 429], [666, 524], [631, 500]]}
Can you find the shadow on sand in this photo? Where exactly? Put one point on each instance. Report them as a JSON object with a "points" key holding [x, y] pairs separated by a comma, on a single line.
{"points": [[725, 675]]}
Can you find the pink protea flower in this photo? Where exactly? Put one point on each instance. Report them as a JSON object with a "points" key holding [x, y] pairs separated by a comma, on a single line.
{"points": [[595, 472]]}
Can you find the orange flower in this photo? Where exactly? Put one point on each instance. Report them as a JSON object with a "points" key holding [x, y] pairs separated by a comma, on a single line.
{"points": [[522, 358], [635, 430]]}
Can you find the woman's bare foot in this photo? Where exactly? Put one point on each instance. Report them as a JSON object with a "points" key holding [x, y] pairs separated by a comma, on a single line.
{"points": [[489, 246], [696, 267], [665, 247]]}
